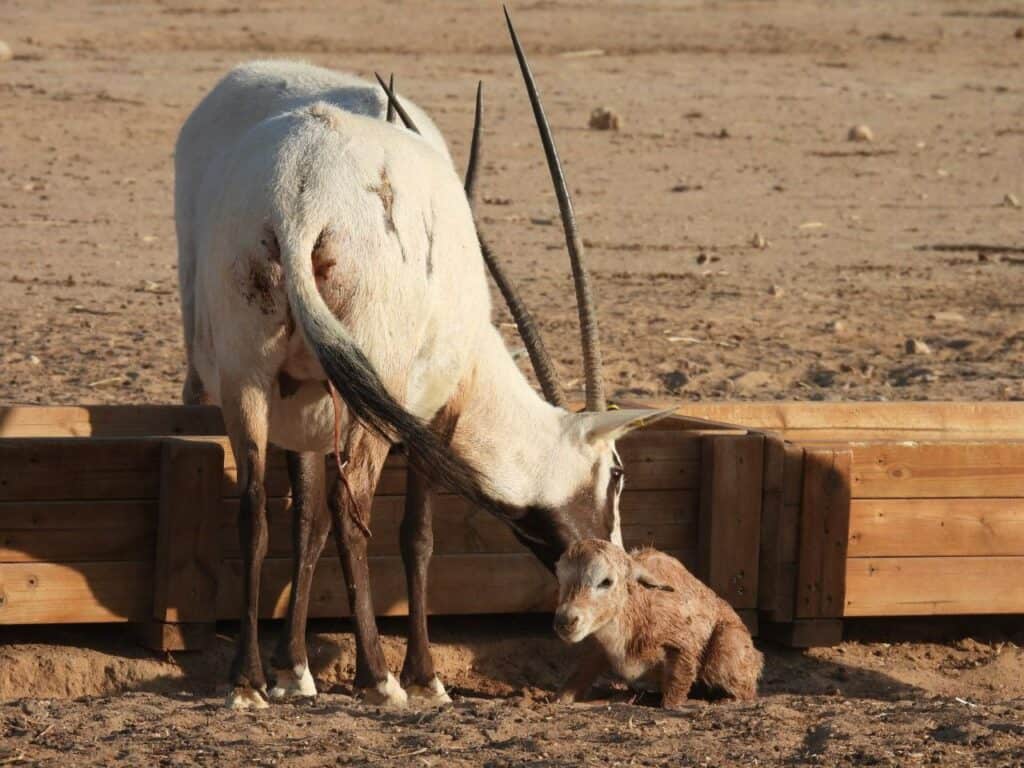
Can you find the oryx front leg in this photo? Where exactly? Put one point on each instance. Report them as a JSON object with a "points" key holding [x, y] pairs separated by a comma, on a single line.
{"points": [[245, 416], [351, 497], [417, 543], [310, 526]]}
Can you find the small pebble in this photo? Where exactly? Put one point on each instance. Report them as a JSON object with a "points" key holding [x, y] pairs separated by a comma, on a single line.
{"points": [[6, 54], [34, 360], [947, 317], [836, 326], [1011, 200], [1019, 33], [604, 119], [777, 291], [916, 347], [860, 133], [758, 241]]}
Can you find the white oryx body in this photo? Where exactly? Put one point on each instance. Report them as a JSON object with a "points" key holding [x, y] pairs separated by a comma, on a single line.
{"points": [[324, 250], [408, 281]]}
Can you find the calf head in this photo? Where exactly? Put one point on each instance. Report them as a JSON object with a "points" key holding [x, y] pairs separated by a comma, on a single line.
{"points": [[595, 581]]}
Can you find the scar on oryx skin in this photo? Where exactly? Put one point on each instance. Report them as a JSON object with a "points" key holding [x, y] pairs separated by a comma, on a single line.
{"points": [[386, 193], [428, 229]]}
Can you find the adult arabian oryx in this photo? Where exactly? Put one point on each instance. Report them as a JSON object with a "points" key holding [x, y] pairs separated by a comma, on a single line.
{"points": [[334, 292]]}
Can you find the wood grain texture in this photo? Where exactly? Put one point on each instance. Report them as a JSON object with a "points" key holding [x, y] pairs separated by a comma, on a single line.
{"points": [[926, 586], [824, 534], [59, 593], [188, 544], [730, 516], [936, 527], [938, 470]]}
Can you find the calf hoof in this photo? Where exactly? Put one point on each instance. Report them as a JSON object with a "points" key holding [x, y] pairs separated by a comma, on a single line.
{"points": [[386, 694], [246, 698], [294, 683], [432, 694]]}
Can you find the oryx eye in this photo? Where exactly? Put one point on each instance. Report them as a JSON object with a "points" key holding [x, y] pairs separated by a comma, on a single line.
{"points": [[618, 473], [606, 584]]}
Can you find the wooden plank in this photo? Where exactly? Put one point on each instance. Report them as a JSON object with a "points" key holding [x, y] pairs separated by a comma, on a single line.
{"points": [[513, 583], [937, 416], [730, 516], [59, 593], [804, 633], [933, 470], [135, 539], [769, 562], [824, 532], [109, 421], [925, 586], [75, 515], [56, 469], [936, 527], [788, 539], [187, 560], [664, 519]]}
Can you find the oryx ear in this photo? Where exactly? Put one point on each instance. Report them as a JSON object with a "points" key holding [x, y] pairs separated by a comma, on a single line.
{"points": [[647, 580], [607, 426]]}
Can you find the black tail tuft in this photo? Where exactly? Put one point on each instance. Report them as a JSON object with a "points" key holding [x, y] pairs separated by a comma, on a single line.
{"points": [[353, 375]]}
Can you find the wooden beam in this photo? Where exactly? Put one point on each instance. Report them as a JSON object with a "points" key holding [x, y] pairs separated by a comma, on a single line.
{"points": [[76, 515], [187, 560], [61, 593], [824, 531], [804, 633], [936, 527], [71, 469], [938, 470], [769, 558], [732, 469], [134, 539], [926, 586]]}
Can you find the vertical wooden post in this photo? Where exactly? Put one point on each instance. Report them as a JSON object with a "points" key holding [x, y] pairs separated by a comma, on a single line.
{"points": [[824, 534], [187, 559], [732, 469], [770, 564]]}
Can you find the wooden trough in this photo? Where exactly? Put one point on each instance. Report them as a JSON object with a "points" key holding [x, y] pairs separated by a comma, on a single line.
{"points": [[806, 515]]}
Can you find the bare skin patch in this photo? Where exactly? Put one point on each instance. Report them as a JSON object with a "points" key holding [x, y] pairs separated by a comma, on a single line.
{"points": [[323, 255], [386, 193]]}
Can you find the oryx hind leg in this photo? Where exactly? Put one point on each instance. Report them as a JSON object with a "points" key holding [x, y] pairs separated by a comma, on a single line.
{"points": [[245, 412], [349, 499], [417, 542], [310, 526]]}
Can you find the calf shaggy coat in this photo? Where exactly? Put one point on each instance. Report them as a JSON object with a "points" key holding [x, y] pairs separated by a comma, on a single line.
{"points": [[652, 623]]}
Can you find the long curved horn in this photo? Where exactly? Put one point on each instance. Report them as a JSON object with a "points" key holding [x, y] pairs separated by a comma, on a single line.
{"points": [[474, 146], [539, 358], [393, 101], [584, 301]]}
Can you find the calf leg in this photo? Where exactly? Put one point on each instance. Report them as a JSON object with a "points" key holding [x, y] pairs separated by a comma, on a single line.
{"points": [[677, 679], [732, 664], [592, 665], [366, 459], [417, 543], [310, 526], [245, 415]]}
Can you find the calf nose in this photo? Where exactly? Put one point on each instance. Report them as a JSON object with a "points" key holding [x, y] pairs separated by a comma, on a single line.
{"points": [[565, 623]]}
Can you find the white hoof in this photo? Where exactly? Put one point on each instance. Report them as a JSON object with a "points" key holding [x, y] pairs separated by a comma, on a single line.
{"points": [[433, 693], [293, 683], [386, 694], [246, 698]]}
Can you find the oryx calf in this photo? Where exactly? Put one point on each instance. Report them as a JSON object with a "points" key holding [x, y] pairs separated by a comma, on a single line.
{"points": [[652, 623]]}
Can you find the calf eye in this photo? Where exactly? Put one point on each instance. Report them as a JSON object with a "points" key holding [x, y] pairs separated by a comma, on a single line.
{"points": [[605, 584]]}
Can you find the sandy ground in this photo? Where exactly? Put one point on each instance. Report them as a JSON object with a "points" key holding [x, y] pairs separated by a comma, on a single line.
{"points": [[734, 136]]}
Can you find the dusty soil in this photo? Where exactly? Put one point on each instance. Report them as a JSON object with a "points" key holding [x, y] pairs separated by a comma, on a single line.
{"points": [[734, 121]]}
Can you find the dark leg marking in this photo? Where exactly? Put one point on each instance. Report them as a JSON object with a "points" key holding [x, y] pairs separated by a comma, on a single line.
{"points": [[310, 526], [247, 669], [417, 544], [366, 459]]}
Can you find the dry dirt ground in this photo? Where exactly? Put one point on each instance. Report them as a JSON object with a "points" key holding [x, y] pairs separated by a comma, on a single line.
{"points": [[733, 137]]}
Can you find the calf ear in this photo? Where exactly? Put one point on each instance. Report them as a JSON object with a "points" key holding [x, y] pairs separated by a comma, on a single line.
{"points": [[647, 580]]}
